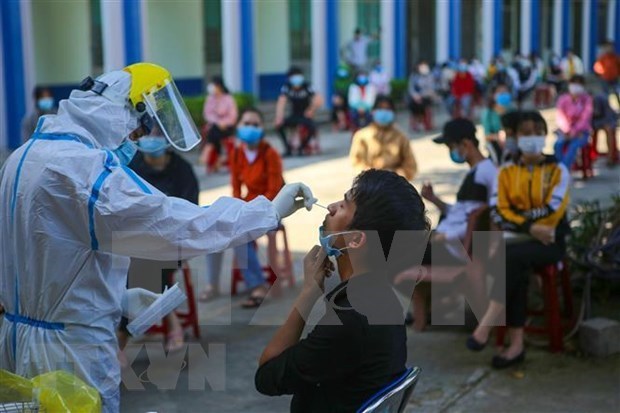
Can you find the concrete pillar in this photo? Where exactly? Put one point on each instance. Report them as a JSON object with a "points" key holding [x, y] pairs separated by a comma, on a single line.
{"points": [[557, 27], [526, 28], [611, 20], [586, 24], [488, 30], [442, 18], [112, 35], [13, 85], [231, 44], [318, 10], [387, 36]]}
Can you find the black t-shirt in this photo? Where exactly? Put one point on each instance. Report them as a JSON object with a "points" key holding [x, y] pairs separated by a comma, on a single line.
{"points": [[346, 358], [300, 98], [177, 180]]}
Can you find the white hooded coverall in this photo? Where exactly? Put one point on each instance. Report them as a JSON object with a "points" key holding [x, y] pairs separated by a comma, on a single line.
{"points": [[70, 218]]}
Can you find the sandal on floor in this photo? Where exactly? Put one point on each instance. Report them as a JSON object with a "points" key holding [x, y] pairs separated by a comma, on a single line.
{"points": [[175, 341], [253, 301], [208, 295]]}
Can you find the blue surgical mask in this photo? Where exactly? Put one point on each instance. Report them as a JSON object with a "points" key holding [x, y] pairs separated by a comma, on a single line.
{"points": [[383, 117], [379, 68], [343, 73], [503, 99], [126, 151], [362, 80], [326, 242], [249, 134], [154, 146], [456, 156], [45, 104], [462, 67], [297, 80]]}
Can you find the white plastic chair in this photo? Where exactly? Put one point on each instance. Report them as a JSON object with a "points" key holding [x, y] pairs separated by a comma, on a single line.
{"points": [[394, 397]]}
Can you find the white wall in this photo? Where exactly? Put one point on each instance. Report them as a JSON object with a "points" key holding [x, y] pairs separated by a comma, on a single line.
{"points": [[272, 36], [61, 38], [176, 37]]}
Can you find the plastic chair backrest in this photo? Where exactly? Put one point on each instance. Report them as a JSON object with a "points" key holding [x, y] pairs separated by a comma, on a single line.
{"points": [[394, 397]]}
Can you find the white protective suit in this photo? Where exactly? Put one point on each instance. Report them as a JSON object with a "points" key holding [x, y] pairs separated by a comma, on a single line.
{"points": [[70, 218]]}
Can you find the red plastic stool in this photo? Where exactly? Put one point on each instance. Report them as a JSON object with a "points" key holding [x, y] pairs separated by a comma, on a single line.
{"points": [[555, 324], [584, 162], [542, 95], [428, 118], [187, 319], [280, 264]]}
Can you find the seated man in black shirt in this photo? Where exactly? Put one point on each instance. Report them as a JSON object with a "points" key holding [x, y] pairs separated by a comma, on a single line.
{"points": [[304, 102], [359, 346]]}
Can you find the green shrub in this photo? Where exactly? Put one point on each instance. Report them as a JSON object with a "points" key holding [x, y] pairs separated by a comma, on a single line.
{"points": [[398, 90], [195, 105]]}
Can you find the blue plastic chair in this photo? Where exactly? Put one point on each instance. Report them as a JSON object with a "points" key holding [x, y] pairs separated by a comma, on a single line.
{"points": [[394, 397]]}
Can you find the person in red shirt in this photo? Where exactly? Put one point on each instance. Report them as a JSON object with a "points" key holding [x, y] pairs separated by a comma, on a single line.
{"points": [[607, 67], [255, 170], [462, 90]]}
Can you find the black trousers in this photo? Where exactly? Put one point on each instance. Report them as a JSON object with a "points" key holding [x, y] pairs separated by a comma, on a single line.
{"points": [[215, 136], [293, 121], [520, 259]]}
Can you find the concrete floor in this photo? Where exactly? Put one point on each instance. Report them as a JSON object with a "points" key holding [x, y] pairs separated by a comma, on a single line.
{"points": [[453, 379]]}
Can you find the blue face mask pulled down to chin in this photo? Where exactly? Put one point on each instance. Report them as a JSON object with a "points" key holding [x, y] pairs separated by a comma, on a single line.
{"points": [[126, 151], [326, 242], [249, 134], [456, 156]]}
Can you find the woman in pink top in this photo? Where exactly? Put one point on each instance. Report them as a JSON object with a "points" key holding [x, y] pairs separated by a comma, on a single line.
{"points": [[573, 117], [220, 114]]}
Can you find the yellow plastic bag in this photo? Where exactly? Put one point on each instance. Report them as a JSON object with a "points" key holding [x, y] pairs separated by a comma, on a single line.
{"points": [[56, 391]]}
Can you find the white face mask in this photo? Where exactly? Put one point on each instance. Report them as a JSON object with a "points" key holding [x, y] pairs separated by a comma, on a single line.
{"points": [[532, 144], [210, 88], [575, 89]]}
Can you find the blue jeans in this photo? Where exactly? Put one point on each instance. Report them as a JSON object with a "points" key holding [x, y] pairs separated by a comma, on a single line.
{"points": [[246, 260], [572, 146], [465, 101]]}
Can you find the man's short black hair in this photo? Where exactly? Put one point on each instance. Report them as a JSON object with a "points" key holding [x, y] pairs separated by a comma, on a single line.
{"points": [[534, 116], [577, 79], [384, 99], [510, 119], [294, 70], [386, 202]]}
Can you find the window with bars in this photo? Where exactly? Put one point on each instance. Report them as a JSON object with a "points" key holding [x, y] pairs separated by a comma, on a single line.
{"points": [[300, 30], [213, 31]]}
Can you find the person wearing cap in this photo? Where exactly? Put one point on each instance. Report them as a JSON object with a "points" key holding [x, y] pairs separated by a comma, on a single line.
{"points": [[445, 243], [72, 214], [459, 135]]}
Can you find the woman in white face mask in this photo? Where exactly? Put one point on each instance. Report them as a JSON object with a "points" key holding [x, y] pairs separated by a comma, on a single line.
{"points": [[574, 120], [530, 199]]}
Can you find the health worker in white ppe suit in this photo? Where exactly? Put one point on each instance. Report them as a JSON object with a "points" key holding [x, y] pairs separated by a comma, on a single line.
{"points": [[72, 213]]}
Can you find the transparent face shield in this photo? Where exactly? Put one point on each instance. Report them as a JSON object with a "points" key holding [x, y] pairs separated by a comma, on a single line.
{"points": [[166, 106]]}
